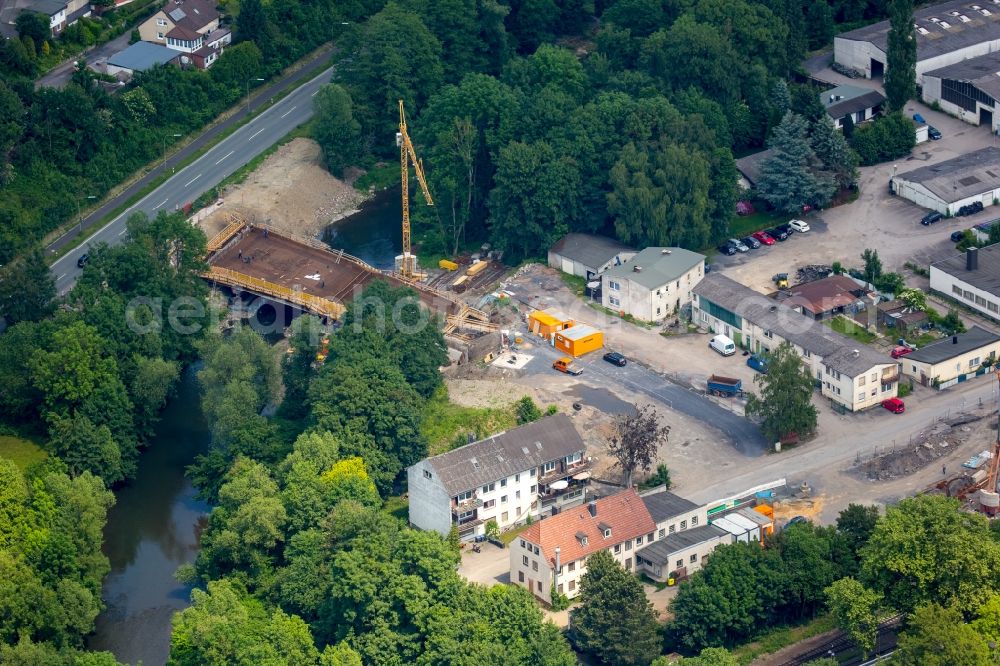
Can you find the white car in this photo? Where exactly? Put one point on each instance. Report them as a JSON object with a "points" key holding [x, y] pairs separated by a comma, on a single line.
{"points": [[799, 226]]}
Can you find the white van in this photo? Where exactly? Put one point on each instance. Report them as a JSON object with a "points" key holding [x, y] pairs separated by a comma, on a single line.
{"points": [[723, 345]]}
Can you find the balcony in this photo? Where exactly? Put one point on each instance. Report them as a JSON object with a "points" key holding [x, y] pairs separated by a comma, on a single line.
{"points": [[890, 376], [562, 471], [466, 505]]}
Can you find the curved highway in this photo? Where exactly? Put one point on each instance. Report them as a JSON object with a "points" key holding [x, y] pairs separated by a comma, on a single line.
{"points": [[188, 183]]}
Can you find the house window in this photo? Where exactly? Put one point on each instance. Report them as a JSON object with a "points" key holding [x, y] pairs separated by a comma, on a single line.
{"points": [[607, 533], [518, 512], [672, 529], [875, 392], [618, 549], [614, 285], [614, 301], [428, 475], [638, 540], [504, 517], [658, 310], [532, 474], [571, 566], [662, 533], [464, 496], [534, 565], [874, 376], [517, 494], [490, 504], [768, 334], [538, 584], [575, 458], [548, 467], [536, 550], [533, 489], [524, 560], [684, 524], [694, 558], [862, 380], [806, 353], [503, 499], [974, 362], [628, 545], [628, 564], [159, 35], [560, 588], [694, 521], [955, 289], [650, 537], [503, 483], [980, 301], [517, 477], [572, 585], [161, 22], [680, 563], [861, 395], [466, 515], [522, 543], [489, 488], [520, 576], [968, 295]]}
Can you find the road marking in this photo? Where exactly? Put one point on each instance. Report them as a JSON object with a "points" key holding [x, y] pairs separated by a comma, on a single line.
{"points": [[61, 277], [192, 180], [314, 94], [159, 204], [122, 232], [225, 156], [256, 133], [289, 111]]}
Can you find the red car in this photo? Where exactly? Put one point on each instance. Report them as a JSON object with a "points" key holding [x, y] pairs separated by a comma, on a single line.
{"points": [[763, 237], [894, 405], [900, 351]]}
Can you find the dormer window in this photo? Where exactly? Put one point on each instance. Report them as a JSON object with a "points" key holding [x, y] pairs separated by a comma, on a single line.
{"points": [[582, 538], [607, 534], [605, 530]]}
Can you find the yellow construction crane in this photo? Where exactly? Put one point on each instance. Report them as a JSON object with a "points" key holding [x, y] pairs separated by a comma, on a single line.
{"points": [[407, 262]]}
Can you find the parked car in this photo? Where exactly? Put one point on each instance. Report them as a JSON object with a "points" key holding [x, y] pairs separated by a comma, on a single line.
{"points": [[957, 236], [780, 232], [933, 133], [740, 247], [727, 249], [899, 351], [894, 405], [763, 237], [82, 261], [919, 118], [615, 358], [750, 242], [723, 344], [931, 218], [565, 364], [799, 225]]}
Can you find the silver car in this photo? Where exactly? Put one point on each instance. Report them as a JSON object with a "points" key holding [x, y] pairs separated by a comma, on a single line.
{"points": [[739, 245]]}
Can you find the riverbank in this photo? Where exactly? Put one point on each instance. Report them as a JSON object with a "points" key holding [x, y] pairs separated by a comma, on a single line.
{"points": [[291, 191], [154, 528]]}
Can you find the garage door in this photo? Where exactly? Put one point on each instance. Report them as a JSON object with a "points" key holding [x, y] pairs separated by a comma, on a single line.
{"points": [[567, 265], [988, 199]]}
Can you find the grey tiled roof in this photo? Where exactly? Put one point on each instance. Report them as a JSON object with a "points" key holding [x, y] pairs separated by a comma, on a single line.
{"points": [[590, 250], [142, 56], [660, 552], [986, 277], [749, 165], [837, 351], [939, 40], [980, 72], [953, 346], [854, 99], [660, 265], [665, 505], [961, 177], [507, 453]]}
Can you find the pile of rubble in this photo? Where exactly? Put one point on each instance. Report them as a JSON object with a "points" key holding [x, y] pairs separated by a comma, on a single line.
{"points": [[812, 272], [924, 448]]}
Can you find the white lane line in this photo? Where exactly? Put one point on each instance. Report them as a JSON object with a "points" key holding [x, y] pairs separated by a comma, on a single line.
{"points": [[122, 232], [159, 204], [225, 156], [256, 133], [289, 111], [314, 94], [60, 277], [192, 180]]}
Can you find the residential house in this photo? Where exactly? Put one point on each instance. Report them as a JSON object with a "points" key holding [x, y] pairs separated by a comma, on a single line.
{"points": [[587, 255], [954, 359], [681, 554], [654, 284], [749, 168], [552, 553], [57, 11], [191, 27], [946, 33], [947, 186], [972, 280], [860, 104], [898, 315], [672, 513], [531, 470], [826, 297], [848, 373]]}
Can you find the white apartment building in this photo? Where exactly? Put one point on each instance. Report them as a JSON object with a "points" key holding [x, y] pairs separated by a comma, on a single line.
{"points": [[654, 284], [847, 372], [506, 477], [973, 279]]}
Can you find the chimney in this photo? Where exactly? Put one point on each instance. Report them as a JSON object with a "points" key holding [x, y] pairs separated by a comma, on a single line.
{"points": [[954, 339], [972, 259], [592, 508]]}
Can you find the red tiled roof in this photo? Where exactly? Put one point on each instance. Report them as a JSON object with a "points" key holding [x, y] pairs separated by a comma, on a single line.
{"points": [[625, 513], [193, 14], [186, 34], [826, 294]]}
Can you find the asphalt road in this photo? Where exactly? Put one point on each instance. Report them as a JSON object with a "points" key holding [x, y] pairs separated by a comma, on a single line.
{"points": [[743, 435], [60, 75], [205, 172]]}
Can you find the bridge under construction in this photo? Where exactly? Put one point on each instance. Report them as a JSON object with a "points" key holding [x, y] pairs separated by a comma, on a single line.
{"points": [[308, 275]]}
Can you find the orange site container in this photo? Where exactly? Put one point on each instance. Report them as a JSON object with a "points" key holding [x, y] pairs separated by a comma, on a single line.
{"points": [[579, 340], [547, 322]]}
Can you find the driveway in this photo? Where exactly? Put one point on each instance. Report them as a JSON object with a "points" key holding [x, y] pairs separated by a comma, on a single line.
{"points": [[490, 566]]}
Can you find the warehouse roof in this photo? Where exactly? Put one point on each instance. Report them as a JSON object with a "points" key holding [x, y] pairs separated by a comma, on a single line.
{"points": [[665, 505], [142, 56], [846, 100], [985, 277], [590, 250], [982, 72], [956, 345], [940, 29], [837, 351], [749, 166], [661, 552], [961, 177], [507, 453], [657, 266]]}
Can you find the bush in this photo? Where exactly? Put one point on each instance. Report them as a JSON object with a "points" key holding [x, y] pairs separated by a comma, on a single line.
{"points": [[884, 139], [559, 600], [889, 282], [661, 477]]}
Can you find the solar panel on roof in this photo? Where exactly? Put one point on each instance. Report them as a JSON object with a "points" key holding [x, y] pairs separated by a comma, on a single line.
{"points": [[177, 14]]}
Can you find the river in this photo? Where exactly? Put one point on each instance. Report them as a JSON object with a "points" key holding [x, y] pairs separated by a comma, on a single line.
{"points": [[152, 529], [374, 234]]}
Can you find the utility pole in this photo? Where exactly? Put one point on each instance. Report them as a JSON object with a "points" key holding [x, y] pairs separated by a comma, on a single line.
{"points": [[249, 81], [79, 215], [163, 141]]}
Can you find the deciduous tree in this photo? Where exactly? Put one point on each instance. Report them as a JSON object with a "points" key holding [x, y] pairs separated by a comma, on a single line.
{"points": [[335, 130], [784, 403], [901, 55], [857, 610], [938, 636], [635, 442]]}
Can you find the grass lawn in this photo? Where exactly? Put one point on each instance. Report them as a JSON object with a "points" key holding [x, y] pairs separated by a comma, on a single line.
{"points": [[923, 339], [443, 421], [781, 637], [397, 506], [21, 451], [849, 328], [744, 225], [510, 535]]}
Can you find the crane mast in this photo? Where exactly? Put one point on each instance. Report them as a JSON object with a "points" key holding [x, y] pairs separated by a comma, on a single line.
{"points": [[407, 262]]}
